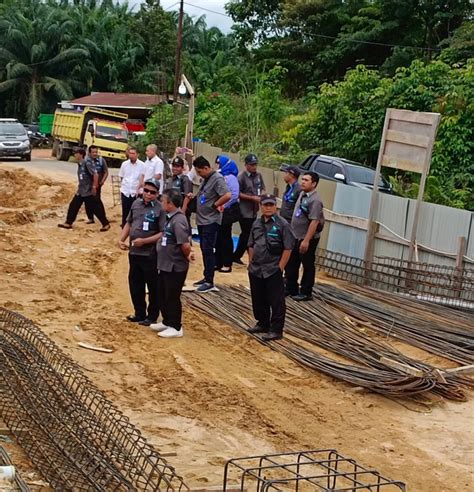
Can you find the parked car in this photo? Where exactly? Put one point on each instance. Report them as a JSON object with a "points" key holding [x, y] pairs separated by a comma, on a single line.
{"points": [[14, 141], [38, 140], [345, 171]]}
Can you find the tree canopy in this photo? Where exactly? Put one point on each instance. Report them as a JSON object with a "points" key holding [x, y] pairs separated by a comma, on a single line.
{"points": [[292, 77]]}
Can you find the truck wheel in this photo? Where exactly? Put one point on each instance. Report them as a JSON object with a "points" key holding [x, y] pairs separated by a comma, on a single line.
{"points": [[54, 151], [63, 153]]}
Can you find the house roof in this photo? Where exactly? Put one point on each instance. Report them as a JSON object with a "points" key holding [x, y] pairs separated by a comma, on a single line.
{"points": [[117, 100]]}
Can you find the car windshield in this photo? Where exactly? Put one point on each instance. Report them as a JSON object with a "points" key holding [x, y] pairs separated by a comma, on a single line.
{"points": [[111, 133], [363, 175], [13, 129]]}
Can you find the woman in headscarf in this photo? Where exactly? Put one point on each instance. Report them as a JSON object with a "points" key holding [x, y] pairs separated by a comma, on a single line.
{"points": [[225, 246]]}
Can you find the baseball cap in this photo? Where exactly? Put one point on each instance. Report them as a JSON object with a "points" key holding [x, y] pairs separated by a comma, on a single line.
{"points": [[285, 168], [153, 182], [178, 161], [265, 199]]}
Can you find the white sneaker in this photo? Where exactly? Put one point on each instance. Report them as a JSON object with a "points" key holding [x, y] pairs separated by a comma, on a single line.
{"points": [[171, 333], [158, 326]]}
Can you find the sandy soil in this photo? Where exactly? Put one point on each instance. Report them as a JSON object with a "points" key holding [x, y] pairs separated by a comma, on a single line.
{"points": [[214, 394]]}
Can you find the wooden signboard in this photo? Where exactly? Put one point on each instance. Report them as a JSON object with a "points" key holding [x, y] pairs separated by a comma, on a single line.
{"points": [[407, 144]]}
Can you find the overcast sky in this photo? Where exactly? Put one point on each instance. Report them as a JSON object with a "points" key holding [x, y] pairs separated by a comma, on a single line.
{"points": [[212, 18]]}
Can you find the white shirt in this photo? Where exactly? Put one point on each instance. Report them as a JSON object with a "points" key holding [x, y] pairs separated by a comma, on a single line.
{"points": [[153, 167], [130, 174]]}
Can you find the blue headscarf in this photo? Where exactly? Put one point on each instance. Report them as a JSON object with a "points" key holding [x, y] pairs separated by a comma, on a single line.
{"points": [[227, 165]]}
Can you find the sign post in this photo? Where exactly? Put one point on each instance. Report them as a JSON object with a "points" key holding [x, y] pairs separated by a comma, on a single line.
{"points": [[407, 144]]}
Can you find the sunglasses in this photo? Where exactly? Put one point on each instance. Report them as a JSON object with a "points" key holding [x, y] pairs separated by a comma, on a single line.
{"points": [[147, 190]]}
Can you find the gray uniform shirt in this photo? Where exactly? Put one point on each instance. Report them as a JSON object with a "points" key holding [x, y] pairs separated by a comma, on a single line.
{"points": [[308, 207], [269, 240], [288, 202], [180, 183], [145, 220], [250, 184], [99, 164], [210, 190], [176, 233], [85, 176]]}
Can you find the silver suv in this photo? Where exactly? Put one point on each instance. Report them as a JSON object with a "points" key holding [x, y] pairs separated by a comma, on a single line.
{"points": [[14, 141]]}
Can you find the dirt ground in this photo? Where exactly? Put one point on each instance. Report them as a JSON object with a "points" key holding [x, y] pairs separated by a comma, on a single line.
{"points": [[215, 393]]}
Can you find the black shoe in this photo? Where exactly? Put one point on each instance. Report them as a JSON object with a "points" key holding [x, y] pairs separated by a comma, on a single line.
{"points": [[147, 322], [135, 319], [257, 329], [302, 297], [239, 262], [268, 337], [90, 222]]}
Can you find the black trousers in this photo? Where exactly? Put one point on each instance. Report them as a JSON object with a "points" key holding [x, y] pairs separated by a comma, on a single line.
{"points": [[208, 238], [224, 246], [89, 201], [245, 226], [292, 270], [90, 211], [127, 202], [268, 301], [170, 285], [143, 273]]}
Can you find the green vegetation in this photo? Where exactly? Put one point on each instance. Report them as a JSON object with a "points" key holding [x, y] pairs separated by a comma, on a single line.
{"points": [[293, 77]]}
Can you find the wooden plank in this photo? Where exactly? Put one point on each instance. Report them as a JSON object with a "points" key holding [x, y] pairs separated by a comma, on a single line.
{"points": [[408, 138], [348, 220], [413, 116], [462, 250], [396, 240], [462, 370], [93, 347], [402, 367], [403, 164]]}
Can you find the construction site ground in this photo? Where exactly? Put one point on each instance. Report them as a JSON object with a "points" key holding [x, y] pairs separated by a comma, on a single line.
{"points": [[215, 393]]}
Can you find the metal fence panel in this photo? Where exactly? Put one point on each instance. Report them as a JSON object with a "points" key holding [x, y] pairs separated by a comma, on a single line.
{"points": [[343, 239], [439, 228]]}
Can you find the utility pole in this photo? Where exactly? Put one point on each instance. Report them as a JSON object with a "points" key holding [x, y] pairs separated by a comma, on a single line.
{"points": [[179, 45]]}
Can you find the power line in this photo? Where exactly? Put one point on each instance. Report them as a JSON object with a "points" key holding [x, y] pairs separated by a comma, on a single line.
{"points": [[208, 10]]}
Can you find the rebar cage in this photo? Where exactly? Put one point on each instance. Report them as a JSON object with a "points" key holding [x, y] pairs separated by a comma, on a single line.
{"points": [[76, 437], [302, 471]]}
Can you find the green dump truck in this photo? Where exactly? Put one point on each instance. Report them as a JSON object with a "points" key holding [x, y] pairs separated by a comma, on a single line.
{"points": [[101, 127]]}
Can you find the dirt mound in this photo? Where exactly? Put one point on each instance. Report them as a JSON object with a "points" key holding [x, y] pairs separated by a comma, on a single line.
{"points": [[23, 196]]}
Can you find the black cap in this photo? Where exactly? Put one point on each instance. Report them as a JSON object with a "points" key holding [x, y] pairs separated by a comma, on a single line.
{"points": [[251, 159], [293, 170], [178, 161], [153, 182], [264, 199]]}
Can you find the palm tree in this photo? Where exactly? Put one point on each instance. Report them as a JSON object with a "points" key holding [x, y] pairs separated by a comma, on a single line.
{"points": [[38, 54]]}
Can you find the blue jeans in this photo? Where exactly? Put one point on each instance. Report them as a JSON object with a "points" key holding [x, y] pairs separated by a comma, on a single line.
{"points": [[208, 239]]}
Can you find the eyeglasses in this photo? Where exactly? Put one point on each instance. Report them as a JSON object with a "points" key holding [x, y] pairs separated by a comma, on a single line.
{"points": [[147, 190]]}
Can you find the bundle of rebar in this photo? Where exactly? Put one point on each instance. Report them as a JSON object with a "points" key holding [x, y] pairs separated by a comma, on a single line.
{"points": [[443, 331], [77, 438], [360, 358]]}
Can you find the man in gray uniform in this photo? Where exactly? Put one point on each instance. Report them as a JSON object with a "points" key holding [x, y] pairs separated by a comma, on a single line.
{"points": [[174, 255], [88, 184], [144, 225], [292, 191], [103, 171], [251, 188], [307, 223], [212, 195], [180, 182], [270, 244]]}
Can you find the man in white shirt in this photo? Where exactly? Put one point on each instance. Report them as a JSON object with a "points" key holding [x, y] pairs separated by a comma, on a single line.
{"points": [[132, 172], [154, 166]]}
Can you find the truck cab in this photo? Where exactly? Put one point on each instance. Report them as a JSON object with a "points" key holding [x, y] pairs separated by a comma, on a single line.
{"points": [[90, 126]]}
